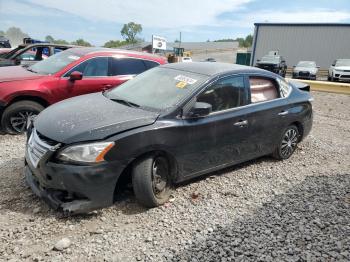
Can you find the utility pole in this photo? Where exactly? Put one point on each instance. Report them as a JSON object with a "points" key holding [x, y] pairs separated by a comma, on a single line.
{"points": [[180, 41]]}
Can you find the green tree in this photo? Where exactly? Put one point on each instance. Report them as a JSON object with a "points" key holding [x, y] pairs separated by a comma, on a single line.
{"points": [[81, 42], [130, 30], [15, 35], [249, 40], [2, 33], [114, 43], [243, 42], [49, 39], [61, 42]]}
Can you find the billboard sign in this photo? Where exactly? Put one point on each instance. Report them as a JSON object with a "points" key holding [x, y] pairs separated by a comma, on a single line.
{"points": [[158, 42]]}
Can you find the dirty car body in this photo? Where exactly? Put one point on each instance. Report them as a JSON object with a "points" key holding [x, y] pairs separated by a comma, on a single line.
{"points": [[153, 114]]}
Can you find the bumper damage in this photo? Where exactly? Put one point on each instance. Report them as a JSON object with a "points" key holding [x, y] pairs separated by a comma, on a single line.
{"points": [[73, 189]]}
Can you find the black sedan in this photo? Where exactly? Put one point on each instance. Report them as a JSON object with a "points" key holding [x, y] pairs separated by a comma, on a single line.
{"points": [[167, 125], [27, 55]]}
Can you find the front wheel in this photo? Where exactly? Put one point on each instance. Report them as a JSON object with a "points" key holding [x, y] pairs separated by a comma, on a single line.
{"points": [[287, 144], [151, 180], [15, 117]]}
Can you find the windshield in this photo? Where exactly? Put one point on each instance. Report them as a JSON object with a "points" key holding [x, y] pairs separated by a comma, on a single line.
{"points": [[306, 64], [271, 59], [158, 88], [343, 62], [54, 63]]}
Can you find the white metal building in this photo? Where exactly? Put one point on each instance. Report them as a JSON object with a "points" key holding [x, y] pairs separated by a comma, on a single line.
{"points": [[320, 42]]}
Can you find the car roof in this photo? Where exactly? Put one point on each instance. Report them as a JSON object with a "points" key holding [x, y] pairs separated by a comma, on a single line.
{"points": [[46, 44], [211, 69], [95, 50]]}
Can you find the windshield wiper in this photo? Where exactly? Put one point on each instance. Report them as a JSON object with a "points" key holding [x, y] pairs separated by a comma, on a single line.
{"points": [[125, 102], [29, 69]]}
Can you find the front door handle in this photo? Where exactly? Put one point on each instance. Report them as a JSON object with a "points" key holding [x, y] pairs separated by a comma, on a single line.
{"points": [[241, 123], [283, 113]]}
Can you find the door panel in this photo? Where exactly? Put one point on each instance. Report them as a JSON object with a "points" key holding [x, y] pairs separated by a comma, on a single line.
{"points": [[220, 138]]}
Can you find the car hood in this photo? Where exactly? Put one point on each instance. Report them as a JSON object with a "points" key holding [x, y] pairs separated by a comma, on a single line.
{"points": [[342, 68], [16, 73], [89, 117], [306, 69]]}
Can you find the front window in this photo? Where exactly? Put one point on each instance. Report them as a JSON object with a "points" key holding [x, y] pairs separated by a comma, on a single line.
{"points": [[158, 88], [54, 63], [306, 64], [343, 62], [94, 67], [270, 59], [224, 94]]}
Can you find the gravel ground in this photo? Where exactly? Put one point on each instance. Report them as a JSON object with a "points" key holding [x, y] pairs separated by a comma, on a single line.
{"points": [[263, 210]]}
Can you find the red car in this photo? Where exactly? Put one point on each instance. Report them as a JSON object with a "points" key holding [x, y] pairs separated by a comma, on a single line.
{"points": [[27, 91]]}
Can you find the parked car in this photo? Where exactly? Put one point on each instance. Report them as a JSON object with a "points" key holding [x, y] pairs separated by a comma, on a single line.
{"points": [[305, 70], [41, 51], [186, 59], [274, 63], [167, 125], [339, 70], [210, 59], [4, 42], [4, 51], [27, 91]]}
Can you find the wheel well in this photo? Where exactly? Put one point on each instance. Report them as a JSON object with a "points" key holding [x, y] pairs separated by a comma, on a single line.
{"points": [[37, 99], [125, 177], [300, 129]]}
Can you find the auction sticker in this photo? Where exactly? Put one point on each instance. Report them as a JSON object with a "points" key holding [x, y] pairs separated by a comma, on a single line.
{"points": [[181, 84], [185, 79]]}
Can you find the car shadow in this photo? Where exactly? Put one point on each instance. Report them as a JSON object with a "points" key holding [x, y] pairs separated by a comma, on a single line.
{"points": [[309, 222], [18, 197]]}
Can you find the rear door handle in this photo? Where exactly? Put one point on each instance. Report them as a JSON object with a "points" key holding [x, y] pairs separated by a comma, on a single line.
{"points": [[241, 123], [283, 113]]}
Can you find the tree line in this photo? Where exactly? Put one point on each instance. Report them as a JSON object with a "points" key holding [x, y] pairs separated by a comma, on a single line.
{"points": [[129, 32]]}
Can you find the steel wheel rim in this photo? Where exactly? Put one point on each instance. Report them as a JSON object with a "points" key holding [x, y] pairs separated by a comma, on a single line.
{"points": [[289, 142], [160, 170], [19, 120]]}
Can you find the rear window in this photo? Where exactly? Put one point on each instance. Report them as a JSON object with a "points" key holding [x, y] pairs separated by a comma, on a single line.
{"points": [[262, 89]]}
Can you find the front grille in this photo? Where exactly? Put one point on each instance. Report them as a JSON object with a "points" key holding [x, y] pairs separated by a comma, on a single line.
{"points": [[37, 147], [301, 73]]}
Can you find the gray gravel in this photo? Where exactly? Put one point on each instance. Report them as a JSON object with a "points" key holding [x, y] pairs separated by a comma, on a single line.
{"points": [[263, 210]]}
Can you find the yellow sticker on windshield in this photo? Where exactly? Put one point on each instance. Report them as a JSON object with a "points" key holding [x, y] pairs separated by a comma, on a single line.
{"points": [[181, 84]]}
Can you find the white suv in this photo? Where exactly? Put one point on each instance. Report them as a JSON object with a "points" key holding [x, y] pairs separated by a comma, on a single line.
{"points": [[339, 70]]}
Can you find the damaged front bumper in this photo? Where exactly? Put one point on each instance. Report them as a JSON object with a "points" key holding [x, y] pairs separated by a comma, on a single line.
{"points": [[74, 189]]}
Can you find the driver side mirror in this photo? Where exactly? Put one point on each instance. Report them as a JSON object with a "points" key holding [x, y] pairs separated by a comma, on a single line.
{"points": [[75, 75], [333, 64], [200, 109]]}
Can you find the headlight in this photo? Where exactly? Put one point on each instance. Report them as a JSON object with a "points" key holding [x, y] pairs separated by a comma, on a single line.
{"points": [[90, 153]]}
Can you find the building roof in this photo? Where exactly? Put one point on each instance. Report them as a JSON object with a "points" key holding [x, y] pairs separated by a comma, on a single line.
{"points": [[302, 24], [210, 68]]}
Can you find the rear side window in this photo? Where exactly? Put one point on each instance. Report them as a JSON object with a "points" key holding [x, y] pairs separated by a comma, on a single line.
{"points": [[126, 66], [224, 94], [263, 89], [150, 64]]}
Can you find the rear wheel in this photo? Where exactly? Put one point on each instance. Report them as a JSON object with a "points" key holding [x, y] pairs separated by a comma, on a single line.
{"points": [[151, 180], [15, 117], [288, 143]]}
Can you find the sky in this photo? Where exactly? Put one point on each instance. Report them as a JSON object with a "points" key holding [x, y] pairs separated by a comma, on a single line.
{"points": [[197, 20]]}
